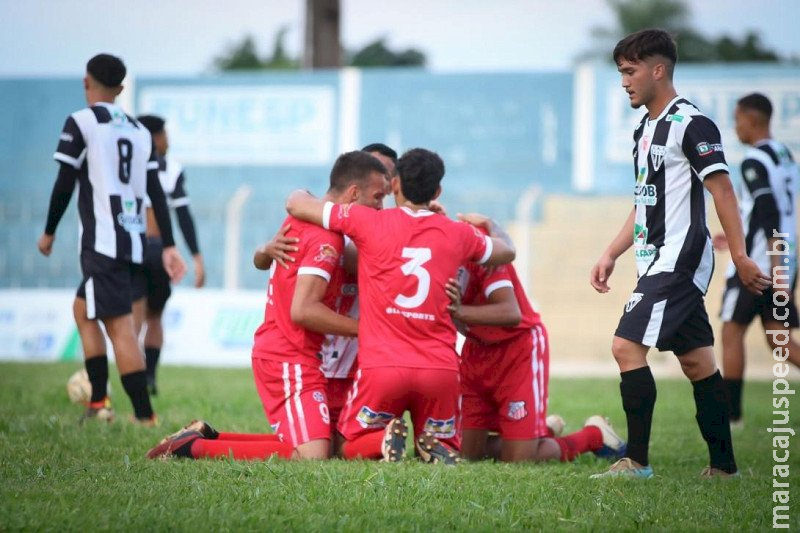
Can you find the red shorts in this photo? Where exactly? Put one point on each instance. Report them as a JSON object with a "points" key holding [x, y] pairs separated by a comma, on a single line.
{"points": [[504, 385], [381, 394], [294, 396], [338, 389]]}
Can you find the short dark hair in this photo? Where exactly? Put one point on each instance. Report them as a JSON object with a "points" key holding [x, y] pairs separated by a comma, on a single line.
{"points": [[353, 167], [381, 149], [107, 69], [153, 123], [647, 43], [420, 172], [756, 102]]}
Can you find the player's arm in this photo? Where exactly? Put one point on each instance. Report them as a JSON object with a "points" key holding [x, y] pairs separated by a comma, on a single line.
{"points": [[276, 249], [173, 263], [59, 201], [765, 214], [309, 311], [503, 250], [719, 185], [501, 309], [301, 204], [186, 223], [604, 267]]}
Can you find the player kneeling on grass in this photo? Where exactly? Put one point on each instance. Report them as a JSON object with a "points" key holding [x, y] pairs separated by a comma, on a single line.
{"points": [[299, 312], [505, 365]]}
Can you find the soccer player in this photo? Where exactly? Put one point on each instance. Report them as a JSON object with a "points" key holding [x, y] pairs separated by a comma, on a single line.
{"points": [[173, 181], [111, 156], [677, 155], [406, 354], [505, 365], [770, 180], [299, 311]]}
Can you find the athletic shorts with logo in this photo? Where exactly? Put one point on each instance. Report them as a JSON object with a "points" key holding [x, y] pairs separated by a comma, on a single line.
{"points": [[666, 310], [505, 385], [742, 306], [156, 277], [294, 396], [380, 394], [109, 285]]}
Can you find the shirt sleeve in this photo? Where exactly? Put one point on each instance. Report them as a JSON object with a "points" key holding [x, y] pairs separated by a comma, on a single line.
{"points": [[71, 148], [479, 246], [498, 278], [321, 253], [765, 213], [178, 197], [355, 221], [702, 146]]}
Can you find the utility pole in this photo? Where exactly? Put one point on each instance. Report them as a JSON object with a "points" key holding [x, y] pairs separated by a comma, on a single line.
{"points": [[322, 45]]}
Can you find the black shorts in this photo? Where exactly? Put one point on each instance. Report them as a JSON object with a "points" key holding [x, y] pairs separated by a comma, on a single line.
{"points": [[109, 285], [742, 306], [158, 289], [666, 310]]}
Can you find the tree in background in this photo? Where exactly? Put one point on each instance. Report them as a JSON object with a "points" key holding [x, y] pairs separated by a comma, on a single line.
{"points": [[377, 54], [672, 16]]}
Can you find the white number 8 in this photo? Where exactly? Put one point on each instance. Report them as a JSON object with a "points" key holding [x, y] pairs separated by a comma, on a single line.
{"points": [[418, 257]]}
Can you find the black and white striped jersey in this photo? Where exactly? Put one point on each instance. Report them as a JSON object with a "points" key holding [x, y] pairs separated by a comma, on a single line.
{"points": [[770, 178], [170, 174], [112, 153], [673, 154]]}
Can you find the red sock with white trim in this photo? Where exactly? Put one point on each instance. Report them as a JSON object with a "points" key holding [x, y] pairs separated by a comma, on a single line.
{"points": [[588, 439]]}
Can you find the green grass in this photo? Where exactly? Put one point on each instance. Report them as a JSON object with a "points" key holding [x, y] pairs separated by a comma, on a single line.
{"points": [[57, 475]]}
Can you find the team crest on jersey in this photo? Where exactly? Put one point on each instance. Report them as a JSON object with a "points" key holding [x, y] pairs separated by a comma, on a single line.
{"points": [[318, 396], [368, 418], [657, 153], [327, 254], [516, 410], [441, 429], [636, 297]]}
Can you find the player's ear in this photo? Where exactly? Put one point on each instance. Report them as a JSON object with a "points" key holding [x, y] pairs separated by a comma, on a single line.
{"points": [[86, 83], [395, 185], [351, 193]]}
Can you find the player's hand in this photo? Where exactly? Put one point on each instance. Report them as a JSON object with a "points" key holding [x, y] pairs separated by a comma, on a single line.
{"points": [[476, 219], [453, 291], [173, 264], [45, 244], [720, 242], [279, 248], [437, 207], [199, 271], [601, 271], [751, 276]]}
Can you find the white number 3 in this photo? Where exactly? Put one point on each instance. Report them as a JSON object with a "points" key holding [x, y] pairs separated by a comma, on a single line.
{"points": [[418, 257]]}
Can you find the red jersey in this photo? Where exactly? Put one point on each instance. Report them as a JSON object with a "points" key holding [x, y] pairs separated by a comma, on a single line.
{"points": [[477, 283], [319, 254], [404, 261]]}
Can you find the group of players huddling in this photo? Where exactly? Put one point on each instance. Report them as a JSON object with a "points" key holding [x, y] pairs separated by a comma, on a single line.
{"points": [[363, 303]]}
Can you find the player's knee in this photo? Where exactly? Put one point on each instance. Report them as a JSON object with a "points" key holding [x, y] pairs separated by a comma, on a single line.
{"points": [[625, 351]]}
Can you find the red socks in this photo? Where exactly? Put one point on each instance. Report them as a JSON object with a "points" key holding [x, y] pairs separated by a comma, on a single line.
{"points": [[241, 449], [248, 436], [367, 446], [589, 439]]}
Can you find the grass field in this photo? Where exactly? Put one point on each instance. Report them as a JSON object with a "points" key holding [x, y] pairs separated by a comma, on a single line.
{"points": [[57, 475]]}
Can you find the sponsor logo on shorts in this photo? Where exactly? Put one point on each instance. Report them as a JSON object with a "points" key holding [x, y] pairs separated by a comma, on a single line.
{"points": [[441, 429], [657, 153], [327, 254], [636, 297], [318, 396], [516, 410], [369, 418]]}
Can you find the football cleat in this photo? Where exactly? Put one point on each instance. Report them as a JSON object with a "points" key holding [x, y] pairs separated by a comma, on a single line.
{"points": [[613, 445], [176, 446], [99, 411], [201, 426], [711, 472], [431, 450], [555, 424], [393, 447], [626, 468]]}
